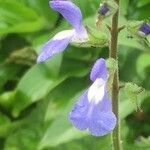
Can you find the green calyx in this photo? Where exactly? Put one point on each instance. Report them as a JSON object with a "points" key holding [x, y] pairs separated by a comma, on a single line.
{"points": [[134, 92]]}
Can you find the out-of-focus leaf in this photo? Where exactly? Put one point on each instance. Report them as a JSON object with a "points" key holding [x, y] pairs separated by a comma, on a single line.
{"points": [[6, 99], [61, 130], [43, 80], [23, 27], [130, 57], [4, 124], [85, 144], [85, 4], [40, 77], [13, 12], [141, 3], [7, 72], [143, 65], [25, 56], [15, 41], [64, 129], [16, 17], [27, 132], [42, 8], [74, 68], [138, 13], [142, 144], [124, 7], [145, 142], [58, 101], [52, 106], [82, 54]]}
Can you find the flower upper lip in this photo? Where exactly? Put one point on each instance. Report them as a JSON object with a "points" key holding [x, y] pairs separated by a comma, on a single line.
{"points": [[69, 11]]}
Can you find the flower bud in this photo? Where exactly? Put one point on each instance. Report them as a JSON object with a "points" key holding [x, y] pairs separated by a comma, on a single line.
{"points": [[139, 28], [144, 29], [103, 9], [106, 9]]}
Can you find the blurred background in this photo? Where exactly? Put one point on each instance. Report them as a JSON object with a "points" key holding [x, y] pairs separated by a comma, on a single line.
{"points": [[35, 99]]}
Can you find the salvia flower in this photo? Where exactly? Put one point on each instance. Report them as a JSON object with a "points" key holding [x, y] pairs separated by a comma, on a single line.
{"points": [[61, 40], [93, 110], [145, 29]]}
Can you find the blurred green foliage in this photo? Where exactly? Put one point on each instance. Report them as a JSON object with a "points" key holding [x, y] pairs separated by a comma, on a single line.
{"points": [[35, 99]]}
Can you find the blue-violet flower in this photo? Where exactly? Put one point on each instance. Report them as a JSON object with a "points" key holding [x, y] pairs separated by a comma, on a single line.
{"points": [[93, 110], [61, 40]]}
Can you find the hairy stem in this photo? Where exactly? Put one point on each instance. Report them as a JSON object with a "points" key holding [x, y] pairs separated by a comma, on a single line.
{"points": [[115, 86]]}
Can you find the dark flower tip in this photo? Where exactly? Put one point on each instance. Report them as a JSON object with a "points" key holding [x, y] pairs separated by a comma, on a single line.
{"points": [[103, 9], [145, 28]]}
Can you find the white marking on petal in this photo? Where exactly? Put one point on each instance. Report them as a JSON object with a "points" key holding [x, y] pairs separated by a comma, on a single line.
{"points": [[64, 34], [96, 91], [142, 33], [77, 37], [80, 37]]}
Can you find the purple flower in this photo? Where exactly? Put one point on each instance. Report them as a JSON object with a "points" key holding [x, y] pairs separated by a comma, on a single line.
{"points": [[145, 29], [61, 40], [93, 110]]}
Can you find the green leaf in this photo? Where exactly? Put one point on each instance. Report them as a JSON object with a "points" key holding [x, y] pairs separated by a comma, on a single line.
{"points": [[61, 130], [59, 101], [13, 12], [25, 133], [24, 56], [43, 114], [42, 8], [43, 79], [143, 65], [40, 77], [85, 4], [23, 27], [61, 133], [4, 125], [124, 5], [141, 3], [7, 99], [7, 72], [16, 17]]}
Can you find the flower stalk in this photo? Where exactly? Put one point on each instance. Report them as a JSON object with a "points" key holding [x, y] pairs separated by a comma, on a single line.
{"points": [[117, 145]]}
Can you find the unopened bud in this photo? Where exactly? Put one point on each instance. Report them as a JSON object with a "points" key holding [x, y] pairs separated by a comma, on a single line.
{"points": [[104, 9], [144, 29]]}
